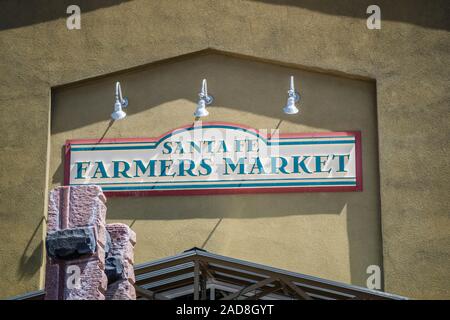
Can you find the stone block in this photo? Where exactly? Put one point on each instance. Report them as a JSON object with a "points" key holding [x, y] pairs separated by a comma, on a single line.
{"points": [[76, 242], [73, 243], [119, 263]]}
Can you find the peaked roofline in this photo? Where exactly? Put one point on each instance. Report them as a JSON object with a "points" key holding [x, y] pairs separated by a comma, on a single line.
{"points": [[194, 253], [184, 262]]}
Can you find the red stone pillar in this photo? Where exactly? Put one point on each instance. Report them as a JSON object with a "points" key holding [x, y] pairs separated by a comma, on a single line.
{"points": [[120, 260], [76, 224]]}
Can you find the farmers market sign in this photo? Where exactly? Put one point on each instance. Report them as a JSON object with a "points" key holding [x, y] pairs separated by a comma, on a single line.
{"points": [[209, 158]]}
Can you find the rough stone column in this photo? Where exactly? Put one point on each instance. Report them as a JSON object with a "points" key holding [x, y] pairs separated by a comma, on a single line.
{"points": [[119, 263], [76, 239]]}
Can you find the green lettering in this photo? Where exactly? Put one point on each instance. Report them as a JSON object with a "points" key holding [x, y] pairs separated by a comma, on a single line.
{"points": [[100, 169]]}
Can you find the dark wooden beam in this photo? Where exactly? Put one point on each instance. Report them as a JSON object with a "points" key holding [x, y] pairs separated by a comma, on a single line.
{"points": [[204, 267], [241, 274], [196, 280], [170, 263], [265, 292], [150, 295], [203, 280], [174, 285], [270, 273], [144, 279], [252, 287], [230, 280], [285, 289], [299, 292]]}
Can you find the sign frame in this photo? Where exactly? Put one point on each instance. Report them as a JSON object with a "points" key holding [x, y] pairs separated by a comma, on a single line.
{"points": [[219, 191]]}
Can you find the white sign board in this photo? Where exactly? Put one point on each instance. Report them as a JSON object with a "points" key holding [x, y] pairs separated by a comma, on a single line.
{"points": [[209, 158]]}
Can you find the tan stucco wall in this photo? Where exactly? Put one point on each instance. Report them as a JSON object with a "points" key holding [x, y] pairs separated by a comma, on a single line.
{"points": [[408, 58]]}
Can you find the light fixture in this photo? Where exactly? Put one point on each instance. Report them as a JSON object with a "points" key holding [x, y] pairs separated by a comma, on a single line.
{"points": [[293, 97], [204, 100], [121, 102]]}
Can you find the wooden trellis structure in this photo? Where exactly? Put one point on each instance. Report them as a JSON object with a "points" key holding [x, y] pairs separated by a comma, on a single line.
{"points": [[200, 275]]}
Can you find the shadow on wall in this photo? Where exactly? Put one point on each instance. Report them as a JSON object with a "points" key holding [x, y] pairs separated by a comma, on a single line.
{"points": [[32, 256], [237, 82], [19, 13], [424, 13], [247, 91], [230, 206]]}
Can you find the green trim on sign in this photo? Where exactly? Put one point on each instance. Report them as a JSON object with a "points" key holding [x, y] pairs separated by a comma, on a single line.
{"points": [[154, 145], [235, 185], [210, 181]]}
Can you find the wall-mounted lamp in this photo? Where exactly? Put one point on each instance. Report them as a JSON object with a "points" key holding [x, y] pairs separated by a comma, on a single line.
{"points": [[121, 102], [204, 100], [293, 97]]}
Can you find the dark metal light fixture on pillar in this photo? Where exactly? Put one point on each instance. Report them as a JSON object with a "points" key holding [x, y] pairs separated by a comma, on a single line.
{"points": [[204, 100], [121, 103]]}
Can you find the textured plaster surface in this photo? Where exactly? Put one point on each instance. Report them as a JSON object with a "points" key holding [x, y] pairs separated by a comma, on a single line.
{"points": [[408, 58]]}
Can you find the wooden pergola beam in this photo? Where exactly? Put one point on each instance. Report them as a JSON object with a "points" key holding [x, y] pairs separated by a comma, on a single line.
{"points": [[324, 285], [285, 289], [143, 278], [149, 294], [242, 274], [254, 286], [196, 280], [155, 267], [299, 292], [265, 292], [205, 269]]}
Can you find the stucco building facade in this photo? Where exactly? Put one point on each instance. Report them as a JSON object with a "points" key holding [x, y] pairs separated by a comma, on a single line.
{"points": [[390, 84]]}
